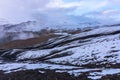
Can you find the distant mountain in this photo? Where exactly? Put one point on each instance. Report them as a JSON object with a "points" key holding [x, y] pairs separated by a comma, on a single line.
{"points": [[72, 22], [21, 27], [25, 30], [69, 22], [32, 29]]}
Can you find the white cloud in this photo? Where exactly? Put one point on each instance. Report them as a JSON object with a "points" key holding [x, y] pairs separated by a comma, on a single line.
{"points": [[62, 4], [107, 16], [20, 10], [111, 12], [87, 6], [56, 10]]}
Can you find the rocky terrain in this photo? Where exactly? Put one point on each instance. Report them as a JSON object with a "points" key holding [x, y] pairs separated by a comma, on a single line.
{"points": [[90, 54]]}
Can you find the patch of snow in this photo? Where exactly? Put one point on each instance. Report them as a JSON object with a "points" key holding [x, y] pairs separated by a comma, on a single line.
{"points": [[65, 34], [94, 77], [110, 71], [10, 67], [96, 49], [41, 71], [33, 54], [98, 75]]}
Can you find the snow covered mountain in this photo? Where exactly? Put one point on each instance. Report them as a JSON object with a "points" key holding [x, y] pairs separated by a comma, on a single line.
{"points": [[29, 29], [32, 29], [94, 52], [21, 31]]}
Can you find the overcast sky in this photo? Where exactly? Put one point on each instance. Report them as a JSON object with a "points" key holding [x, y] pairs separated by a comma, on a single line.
{"points": [[24, 10]]}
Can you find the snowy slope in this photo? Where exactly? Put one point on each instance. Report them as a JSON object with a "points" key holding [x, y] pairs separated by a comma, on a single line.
{"points": [[31, 29], [21, 31], [96, 51], [97, 47]]}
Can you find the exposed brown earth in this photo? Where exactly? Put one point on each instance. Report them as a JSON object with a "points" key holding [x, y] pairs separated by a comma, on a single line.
{"points": [[28, 42], [44, 36]]}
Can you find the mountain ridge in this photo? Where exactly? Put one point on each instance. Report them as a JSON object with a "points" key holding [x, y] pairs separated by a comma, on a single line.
{"points": [[90, 51]]}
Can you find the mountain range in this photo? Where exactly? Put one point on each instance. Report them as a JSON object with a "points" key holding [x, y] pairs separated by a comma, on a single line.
{"points": [[90, 53]]}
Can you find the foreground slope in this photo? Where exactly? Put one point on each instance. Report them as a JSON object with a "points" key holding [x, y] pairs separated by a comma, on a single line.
{"points": [[95, 52]]}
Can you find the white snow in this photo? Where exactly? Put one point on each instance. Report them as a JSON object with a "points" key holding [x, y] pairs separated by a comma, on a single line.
{"points": [[96, 48], [98, 75], [62, 33], [33, 54], [93, 51], [11, 67], [95, 73], [102, 49]]}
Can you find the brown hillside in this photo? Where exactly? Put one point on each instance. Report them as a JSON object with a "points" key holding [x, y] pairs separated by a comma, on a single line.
{"points": [[28, 42]]}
